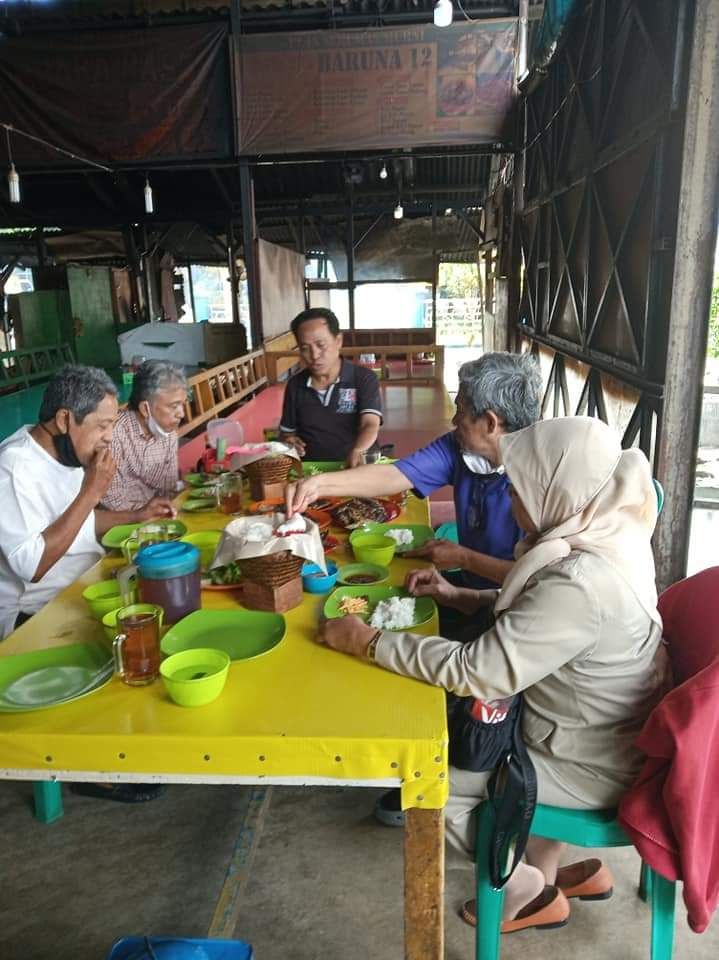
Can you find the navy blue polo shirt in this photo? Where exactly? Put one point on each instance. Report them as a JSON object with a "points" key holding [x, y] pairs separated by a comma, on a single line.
{"points": [[484, 516], [328, 422]]}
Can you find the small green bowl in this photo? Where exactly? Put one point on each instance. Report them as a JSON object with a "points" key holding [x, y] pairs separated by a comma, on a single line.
{"points": [[206, 542], [103, 597], [195, 677], [371, 548], [378, 574], [109, 621]]}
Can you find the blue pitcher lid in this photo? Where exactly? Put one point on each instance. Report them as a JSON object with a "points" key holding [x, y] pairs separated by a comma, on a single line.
{"points": [[163, 560]]}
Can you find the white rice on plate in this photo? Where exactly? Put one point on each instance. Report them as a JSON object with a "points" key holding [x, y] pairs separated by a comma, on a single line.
{"points": [[401, 536], [394, 614]]}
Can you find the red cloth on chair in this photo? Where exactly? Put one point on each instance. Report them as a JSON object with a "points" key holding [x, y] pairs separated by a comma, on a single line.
{"points": [[672, 812]]}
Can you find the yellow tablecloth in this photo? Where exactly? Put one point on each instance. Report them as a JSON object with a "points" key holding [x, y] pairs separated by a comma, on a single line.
{"points": [[301, 713]]}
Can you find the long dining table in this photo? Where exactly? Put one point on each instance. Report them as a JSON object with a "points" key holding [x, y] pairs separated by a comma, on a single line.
{"points": [[300, 714]]}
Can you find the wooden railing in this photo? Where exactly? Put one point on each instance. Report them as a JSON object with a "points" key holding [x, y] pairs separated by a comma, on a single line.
{"points": [[421, 362], [281, 355], [213, 390], [25, 366]]}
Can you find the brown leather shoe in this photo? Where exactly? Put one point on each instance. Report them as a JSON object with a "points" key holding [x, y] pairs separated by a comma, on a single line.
{"points": [[546, 912], [587, 879]]}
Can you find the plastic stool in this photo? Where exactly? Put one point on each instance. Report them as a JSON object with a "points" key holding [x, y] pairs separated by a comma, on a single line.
{"points": [[179, 948], [583, 828]]}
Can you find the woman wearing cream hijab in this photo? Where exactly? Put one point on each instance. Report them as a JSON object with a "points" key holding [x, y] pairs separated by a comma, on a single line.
{"points": [[577, 632]]}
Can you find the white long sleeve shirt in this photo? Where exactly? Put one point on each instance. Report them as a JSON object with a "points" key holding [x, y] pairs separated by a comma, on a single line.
{"points": [[35, 490]]}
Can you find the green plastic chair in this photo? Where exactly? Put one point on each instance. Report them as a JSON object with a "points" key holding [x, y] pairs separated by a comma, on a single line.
{"points": [[583, 828]]}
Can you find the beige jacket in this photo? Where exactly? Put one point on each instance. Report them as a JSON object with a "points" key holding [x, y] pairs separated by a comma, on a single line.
{"points": [[588, 659]]}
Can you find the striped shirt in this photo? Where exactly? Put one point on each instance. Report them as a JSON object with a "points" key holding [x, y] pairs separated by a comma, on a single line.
{"points": [[146, 466]]}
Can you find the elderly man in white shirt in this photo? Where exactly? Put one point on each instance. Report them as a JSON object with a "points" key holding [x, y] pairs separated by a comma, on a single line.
{"points": [[52, 477]]}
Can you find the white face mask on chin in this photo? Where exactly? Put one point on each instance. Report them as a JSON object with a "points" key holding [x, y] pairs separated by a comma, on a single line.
{"points": [[480, 465], [155, 429]]}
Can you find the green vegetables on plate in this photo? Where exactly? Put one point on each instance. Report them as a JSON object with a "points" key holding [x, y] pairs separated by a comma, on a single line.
{"points": [[224, 576]]}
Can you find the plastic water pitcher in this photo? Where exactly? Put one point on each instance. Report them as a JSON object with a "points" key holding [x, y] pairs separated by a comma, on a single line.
{"points": [[168, 575]]}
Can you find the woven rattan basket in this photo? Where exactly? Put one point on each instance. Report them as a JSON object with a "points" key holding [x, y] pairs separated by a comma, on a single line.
{"points": [[272, 570], [270, 469]]}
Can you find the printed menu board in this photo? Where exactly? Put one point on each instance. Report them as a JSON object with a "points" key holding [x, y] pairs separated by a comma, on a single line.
{"points": [[379, 88]]}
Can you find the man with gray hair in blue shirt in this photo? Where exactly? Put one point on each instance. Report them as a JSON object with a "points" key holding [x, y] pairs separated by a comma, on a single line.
{"points": [[498, 393]]}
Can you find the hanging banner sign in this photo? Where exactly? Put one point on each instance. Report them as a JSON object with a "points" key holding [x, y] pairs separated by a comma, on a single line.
{"points": [[380, 88]]}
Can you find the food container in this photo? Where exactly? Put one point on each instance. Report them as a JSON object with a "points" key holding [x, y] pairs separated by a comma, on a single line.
{"points": [[372, 548], [315, 581], [206, 542], [195, 677], [358, 574], [105, 596]]}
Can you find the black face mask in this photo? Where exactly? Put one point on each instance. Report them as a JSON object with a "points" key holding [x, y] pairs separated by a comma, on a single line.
{"points": [[64, 448]]}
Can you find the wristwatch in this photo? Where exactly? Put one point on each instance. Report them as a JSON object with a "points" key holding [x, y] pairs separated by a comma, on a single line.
{"points": [[372, 646]]}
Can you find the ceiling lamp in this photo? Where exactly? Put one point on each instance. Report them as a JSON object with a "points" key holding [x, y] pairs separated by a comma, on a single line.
{"points": [[149, 205], [383, 174], [13, 180], [443, 13], [398, 212]]}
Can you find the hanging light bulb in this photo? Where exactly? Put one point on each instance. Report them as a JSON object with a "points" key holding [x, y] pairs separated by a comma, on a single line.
{"points": [[13, 180], [398, 212], [13, 183], [443, 13], [383, 174], [149, 206]]}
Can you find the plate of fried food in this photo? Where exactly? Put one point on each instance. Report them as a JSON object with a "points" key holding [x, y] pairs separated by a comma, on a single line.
{"points": [[361, 510]]}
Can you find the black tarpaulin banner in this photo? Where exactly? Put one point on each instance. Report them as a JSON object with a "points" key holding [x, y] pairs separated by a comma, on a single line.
{"points": [[119, 95]]}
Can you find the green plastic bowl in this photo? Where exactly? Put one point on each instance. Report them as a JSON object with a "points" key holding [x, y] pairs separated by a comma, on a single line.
{"points": [[378, 574], [103, 597], [371, 548], [109, 621], [195, 677], [206, 542]]}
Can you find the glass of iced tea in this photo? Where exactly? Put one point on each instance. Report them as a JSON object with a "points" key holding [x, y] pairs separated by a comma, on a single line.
{"points": [[229, 493], [136, 648]]}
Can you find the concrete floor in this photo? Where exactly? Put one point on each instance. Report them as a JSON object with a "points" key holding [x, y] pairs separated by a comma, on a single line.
{"points": [[301, 874]]}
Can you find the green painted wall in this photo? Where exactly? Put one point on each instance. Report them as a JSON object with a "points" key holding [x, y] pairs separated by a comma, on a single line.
{"points": [[93, 316]]}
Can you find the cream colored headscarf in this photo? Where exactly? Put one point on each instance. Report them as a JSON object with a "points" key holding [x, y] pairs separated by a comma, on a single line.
{"points": [[584, 493]]}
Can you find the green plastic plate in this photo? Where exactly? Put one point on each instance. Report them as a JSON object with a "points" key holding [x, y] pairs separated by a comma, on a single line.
{"points": [[115, 536], [194, 505], [242, 634], [195, 479], [311, 467], [420, 532], [424, 606], [47, 678]]}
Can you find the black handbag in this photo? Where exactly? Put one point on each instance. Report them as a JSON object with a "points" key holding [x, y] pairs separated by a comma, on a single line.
{"points": [[512, 792], [480, 734]]}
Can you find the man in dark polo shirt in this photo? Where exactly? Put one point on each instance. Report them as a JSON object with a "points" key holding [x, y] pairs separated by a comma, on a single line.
{"points": [[332, 408]]}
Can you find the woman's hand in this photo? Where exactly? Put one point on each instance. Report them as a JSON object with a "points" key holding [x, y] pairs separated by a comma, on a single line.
{"points": [[430, 583], [346, 634], [298, 496], [442, 553]]}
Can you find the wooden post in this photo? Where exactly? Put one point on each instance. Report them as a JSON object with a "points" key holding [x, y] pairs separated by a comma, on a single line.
{"points": [[234, 276], [691, 297], [249, 236], [424, 884], [350, 244]]}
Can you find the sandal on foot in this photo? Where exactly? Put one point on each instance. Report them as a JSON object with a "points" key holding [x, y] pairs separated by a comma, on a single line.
{"points": [[586, 879], [546, 912], [120, 792]]}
